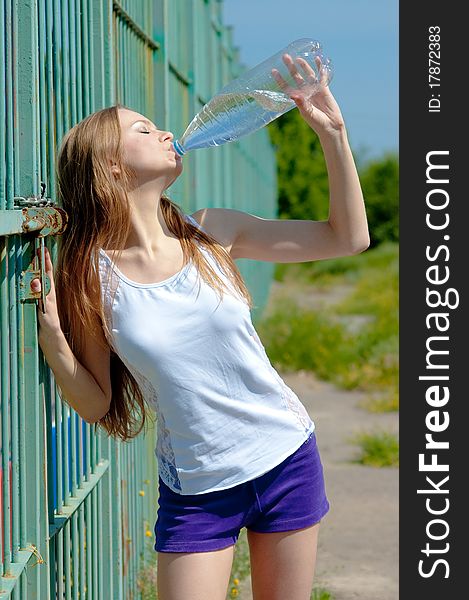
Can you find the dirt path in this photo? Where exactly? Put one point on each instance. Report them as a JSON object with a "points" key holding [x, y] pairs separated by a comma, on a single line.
{"points": [[358, 540]]}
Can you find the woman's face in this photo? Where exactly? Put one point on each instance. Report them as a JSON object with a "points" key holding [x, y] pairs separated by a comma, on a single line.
{"points": [[148, 150]]}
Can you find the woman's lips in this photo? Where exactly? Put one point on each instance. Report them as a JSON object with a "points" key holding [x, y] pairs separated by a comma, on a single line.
{"points": [[172, 149]]}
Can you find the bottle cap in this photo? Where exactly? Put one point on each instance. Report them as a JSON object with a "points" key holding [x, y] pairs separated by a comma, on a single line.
{"points": [[178, 148]]}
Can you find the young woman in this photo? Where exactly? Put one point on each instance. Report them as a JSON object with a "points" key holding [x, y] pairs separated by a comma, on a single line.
{"points": [[129, 329]]}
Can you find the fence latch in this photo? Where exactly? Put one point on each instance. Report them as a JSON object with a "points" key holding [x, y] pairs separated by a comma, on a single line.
{"points": [[41, 218]]}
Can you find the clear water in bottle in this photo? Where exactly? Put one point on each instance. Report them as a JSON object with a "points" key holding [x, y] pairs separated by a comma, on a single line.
{"points": [[255, 98]]}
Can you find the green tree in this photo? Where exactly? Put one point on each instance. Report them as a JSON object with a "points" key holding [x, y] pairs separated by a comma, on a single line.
{"points": [[303, 190], [303, 186], [380, 185]]}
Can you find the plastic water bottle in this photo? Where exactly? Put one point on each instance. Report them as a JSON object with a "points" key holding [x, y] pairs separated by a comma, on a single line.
{"points": [[255, 98]]}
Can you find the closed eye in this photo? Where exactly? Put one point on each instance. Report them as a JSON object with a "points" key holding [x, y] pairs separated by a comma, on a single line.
{"points": [[144, 132]]}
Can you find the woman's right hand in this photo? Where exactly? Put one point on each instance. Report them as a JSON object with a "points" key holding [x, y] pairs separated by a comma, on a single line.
{"points": [[49, 321]]}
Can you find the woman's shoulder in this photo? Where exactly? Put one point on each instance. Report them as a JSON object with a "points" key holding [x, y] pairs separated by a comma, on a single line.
{"points": [[108, 278], [191, 219], [217, 223]]}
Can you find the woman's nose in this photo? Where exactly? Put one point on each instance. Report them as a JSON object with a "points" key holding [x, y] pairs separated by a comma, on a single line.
{"points": [[167, 135]]}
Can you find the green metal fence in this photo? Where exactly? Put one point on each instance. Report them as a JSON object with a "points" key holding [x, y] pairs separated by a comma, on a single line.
{"points": [[77, 510]]}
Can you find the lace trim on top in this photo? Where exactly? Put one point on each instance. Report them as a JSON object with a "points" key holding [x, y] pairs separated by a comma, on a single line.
{"points": [[289, 398], [164, 450], [109, 283]]}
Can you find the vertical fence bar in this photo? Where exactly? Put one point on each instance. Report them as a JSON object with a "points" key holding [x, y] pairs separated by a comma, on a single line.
{"points": [[50, 96], [12, 89], [133, 513], [65, 66], [124, 516], [72, 451], [93, 451], [80, 452], [99, 535], [59, 452], [89, 572], [73, 89], [107, 549], [73, 557], [3, 72], [10, 50], [94, 541], [78, 51], [116, 516], [45, 381], [12, 244], [5, 544], [192, 90], [66, 555], [90, 18], [126, 67], [110, 61], [140, 541], [65, 452], [86, 57], [114, 53], [117, 53], [100, 57], [129, 92], [57, 66], [4, 350], [225, 42], [82, 551], [20, 422], [42, 123], [142, 87], [88, 434]]}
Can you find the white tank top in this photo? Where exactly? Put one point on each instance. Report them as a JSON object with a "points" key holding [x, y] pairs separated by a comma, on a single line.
{"points": [[224, 414]]}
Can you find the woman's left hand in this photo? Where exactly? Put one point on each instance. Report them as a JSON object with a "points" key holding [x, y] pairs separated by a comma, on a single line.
{"points": [[320, 110]]}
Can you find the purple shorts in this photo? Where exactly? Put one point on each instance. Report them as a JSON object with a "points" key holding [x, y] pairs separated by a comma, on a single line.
{"points": [[290, 496]]}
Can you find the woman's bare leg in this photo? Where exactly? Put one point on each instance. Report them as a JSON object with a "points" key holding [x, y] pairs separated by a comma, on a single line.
{"points": [[194, 575], [283, 563]]}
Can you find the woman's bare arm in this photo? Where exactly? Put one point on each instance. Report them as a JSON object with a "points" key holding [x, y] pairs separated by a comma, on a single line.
{"points": [[80, 388], [86, 387]]}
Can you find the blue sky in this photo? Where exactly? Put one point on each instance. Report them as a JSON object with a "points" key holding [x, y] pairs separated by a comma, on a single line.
{"points": [[361, 39]]}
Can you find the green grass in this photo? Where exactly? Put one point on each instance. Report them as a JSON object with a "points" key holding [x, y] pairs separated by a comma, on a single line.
{"points": [[321, 594], [319, 341], [146, 579], [241, 566], [377, 449], [389, 402], [351, 267]]}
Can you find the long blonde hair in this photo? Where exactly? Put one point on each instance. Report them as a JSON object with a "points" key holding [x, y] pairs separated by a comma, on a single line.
{"points": [[99, 217]]}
